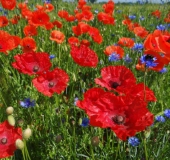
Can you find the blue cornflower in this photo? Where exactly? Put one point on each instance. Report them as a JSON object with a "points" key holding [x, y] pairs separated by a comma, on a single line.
{"points": [[164, 70], [119, 11], [148, 60], [133, 141], [27, 103], [96, 11], [160, 118], [161, 27], [1, 9], [52, 56], [114, 57], [85, 122], [167, 113], [75, 100], [47, 1], [142, 18], [132, 17], [5, 13], [138, 47], [127, 59]]}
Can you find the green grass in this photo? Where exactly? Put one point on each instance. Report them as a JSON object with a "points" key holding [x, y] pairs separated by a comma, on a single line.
{"points": [[58, 116]]}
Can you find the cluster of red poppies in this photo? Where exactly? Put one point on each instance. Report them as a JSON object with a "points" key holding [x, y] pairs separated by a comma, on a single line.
{"points": [[46, 81], [123, 107]]}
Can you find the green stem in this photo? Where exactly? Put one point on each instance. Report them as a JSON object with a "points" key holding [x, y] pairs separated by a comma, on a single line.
{"points": [[146, 153]]}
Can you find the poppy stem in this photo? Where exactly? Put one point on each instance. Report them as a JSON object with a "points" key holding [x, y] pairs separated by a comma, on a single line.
{"points": [[145, 74]]}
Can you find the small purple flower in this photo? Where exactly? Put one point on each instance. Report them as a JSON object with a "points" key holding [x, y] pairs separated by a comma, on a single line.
{"points": [[132, 17], [164, 70], [167, 113], [85, 122], [127, 59], [96, 11], [52, 56], [161, 27], [148, 60], [160, 119], [75, 100], [114, 57], [133, 141], [27, 103], [142, 18], [137, 47]]}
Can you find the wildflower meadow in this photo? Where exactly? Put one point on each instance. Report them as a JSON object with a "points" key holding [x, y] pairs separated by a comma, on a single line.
{"points": [[84, 81]]}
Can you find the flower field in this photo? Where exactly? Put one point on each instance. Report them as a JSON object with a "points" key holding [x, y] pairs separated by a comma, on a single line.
{"points": [[83, 81]]}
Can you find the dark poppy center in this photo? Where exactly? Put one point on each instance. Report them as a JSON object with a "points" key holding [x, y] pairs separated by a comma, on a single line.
{"points": [[36, 68], [118, 119], [149, 57], [28, 46], [114, 84], [4, 140], [51, 84], [168, 40]]}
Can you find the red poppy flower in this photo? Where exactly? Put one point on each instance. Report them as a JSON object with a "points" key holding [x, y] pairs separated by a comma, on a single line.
{"points": [[63, 14], [131, 26], [109, 7], [28, 44], [73, 41], [30, 30], [32, 63], [15, 19], [81, 28], [106, 110], [105, 18], [167, 18], [126, 21], [49, 26], [117, 78], [48, 7], [150, 42], [58, 24], [57, 36], [95, 35], [51, 82], [164, 45], [156, 13], [84, 56], [85, 7], [114, 49], [70, 18], [40, 18], [85, 42], [26, 13], [81, 3], [85, 15], [8, 4], [3, 21], [8, 42], [152, 58], [140, 32], [126, 42], [8, 136]]}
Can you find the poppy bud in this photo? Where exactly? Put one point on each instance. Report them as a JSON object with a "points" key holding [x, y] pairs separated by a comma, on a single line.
{"points": [[9, 110], [27, 133], [11, 120], [19, 144], [95, 141]]}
